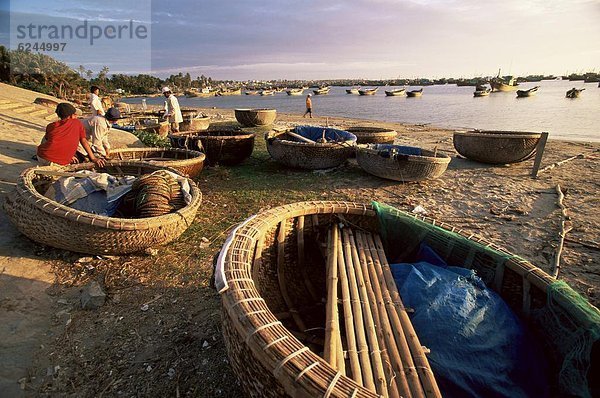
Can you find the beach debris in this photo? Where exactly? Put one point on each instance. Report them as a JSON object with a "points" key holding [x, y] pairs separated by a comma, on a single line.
{"points": [[204, 242], [565, 227], [144, 307], [420, 210], [553, 165], [92, 296]]}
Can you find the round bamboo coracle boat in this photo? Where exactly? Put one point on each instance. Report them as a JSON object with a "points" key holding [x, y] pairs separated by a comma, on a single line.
{"points": [[496, 147], [195, 123], [185, 161], [398, 163], [226, 147], [292, 151], [275, 275], [255, 117], [186, 140], [48, 222], [373, 135]]}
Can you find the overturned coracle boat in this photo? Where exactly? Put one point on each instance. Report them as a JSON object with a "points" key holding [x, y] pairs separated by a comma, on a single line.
{"points": [[527, 93], [368, 91], [401, 163], [574, 92], [46, 221], [496, 147], [310, 147], [286, 335], [415, 93], [255, 117], [185, 161], [373, 135], [396, 92]]}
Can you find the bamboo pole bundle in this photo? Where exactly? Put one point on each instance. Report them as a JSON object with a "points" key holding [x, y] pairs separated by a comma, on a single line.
{"points": [[377, 364], [408, 364], [423, 367], [357, 313], [301, 262], [348, 318], [393, 349], [331, 323]]}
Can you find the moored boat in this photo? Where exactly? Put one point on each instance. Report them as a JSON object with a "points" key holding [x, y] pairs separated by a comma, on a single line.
{"points": [[267, 92], [352, 90], [368, 91], [252, 92], [504, 83], [414, 93], [322, 91], [574, 92], [295, 91], [395, 93], [482, 93], [527, 93]]}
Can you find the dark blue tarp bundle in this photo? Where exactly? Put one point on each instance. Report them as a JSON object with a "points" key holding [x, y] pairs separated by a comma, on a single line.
{"points": [[479, 347], [398, 149], [314, 133]]}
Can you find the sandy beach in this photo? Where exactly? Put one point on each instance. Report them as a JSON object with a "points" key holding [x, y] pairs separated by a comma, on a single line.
{"points": [[159, 332]]}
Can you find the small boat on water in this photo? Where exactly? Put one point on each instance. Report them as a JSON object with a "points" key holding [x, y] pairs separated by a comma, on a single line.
{"points": [[352, 90], [527, 93], [252, 92], [504, 83], [574, 92], [295, 91], [226, 92], [267, 92], [414, 93], [368, 91], [322, 91], [484, 92], [395, 93]]}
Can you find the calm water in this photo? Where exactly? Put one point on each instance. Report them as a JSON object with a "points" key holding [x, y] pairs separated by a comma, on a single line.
{"points": [[445, 106]]}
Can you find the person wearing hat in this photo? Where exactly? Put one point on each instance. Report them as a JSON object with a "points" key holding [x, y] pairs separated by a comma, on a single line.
{"points": [[308, 106], [62, 138], [95, 102], [172, 110], [97, 129]]}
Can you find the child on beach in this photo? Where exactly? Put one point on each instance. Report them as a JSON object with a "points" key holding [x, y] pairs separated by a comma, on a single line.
{"points": [[62, 138]]}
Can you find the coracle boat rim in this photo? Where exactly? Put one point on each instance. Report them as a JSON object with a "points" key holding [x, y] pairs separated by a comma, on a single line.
{"points": [[429, 158], [47, 205], [498, 134]]}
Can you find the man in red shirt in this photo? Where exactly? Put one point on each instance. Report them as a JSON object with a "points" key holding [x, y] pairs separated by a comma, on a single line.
{"points": [[62, 138]]}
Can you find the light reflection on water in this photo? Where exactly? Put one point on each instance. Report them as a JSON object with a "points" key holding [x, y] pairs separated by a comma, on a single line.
{"points": [[444, 106]]}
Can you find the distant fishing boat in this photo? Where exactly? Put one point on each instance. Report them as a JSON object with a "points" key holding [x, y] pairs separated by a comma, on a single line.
{"points": [[505, 83], [322, 91], [267, 92], [484, 92], [527, 93], [368, 91], [295, 91], [395, 93], [352, 90], [415, 93], [229, 92], [252, 92], [574, 92]]}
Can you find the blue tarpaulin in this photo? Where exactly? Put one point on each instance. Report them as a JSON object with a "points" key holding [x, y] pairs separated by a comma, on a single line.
{"points": [[314, 133], [479, 347]]}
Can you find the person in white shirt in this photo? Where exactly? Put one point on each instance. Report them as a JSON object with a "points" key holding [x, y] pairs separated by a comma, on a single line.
{"points": [[97, 129], [172, 110], [95, 102]]}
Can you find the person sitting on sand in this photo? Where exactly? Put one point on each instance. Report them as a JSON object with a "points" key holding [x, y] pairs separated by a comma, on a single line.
{"points": [[97, 129], [172, 110], [308, 106], [95, 103], [60, 143]]}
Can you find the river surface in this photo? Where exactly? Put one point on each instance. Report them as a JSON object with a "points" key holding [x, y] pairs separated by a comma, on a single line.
{"points": [[445, 106]]}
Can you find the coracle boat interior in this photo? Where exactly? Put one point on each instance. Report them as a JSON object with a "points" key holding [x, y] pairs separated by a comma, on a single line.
{"points": [[185, 161], [373, 135], [313, 305]]}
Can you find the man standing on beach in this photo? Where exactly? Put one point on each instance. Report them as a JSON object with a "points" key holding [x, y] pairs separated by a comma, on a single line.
{"points": [[308, 106], [172, 110], [60, 143], [95, 103]]}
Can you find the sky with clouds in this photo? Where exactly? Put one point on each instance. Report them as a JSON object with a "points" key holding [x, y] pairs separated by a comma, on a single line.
{"points": [[242, 39]]}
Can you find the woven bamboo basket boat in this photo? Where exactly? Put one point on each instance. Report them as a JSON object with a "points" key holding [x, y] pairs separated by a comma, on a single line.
{"points": [[195, 123], [226, 147], [496, 147], [406, 164], [292, 152], [185, 161], [48, 222], [267, 281], [255, 117], [373, 135]]}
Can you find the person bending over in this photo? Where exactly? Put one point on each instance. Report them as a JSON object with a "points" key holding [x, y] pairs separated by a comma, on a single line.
{"points": [[62, 139], [97, 129]]}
